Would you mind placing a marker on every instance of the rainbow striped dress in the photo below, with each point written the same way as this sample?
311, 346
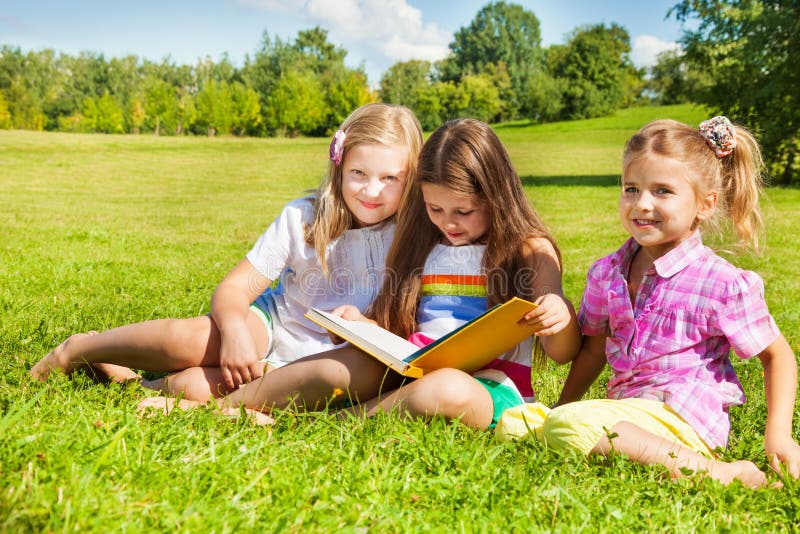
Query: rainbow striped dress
454, 292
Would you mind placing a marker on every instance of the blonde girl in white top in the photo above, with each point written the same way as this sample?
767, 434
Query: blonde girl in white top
325, 250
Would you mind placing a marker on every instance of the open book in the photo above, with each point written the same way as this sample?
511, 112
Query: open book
469, 347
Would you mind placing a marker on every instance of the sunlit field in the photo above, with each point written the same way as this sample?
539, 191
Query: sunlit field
99, 231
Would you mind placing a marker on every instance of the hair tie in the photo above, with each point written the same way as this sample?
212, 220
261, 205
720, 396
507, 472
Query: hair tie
337, 147
719, 134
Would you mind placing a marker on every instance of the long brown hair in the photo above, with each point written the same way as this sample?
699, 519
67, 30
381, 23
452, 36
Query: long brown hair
735, 177
466, 156
376, 124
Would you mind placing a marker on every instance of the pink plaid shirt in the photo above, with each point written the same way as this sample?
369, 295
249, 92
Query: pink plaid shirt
673, 345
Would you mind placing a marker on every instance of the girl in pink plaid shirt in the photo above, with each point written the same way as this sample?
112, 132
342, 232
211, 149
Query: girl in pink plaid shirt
664, 311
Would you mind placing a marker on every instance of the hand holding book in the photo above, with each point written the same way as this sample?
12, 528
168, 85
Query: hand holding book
469, 348
348, 312
550, 316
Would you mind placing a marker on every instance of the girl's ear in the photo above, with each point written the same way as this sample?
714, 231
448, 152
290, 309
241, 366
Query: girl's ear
706, 206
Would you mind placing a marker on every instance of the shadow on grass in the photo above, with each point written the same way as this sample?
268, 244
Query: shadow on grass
609, 180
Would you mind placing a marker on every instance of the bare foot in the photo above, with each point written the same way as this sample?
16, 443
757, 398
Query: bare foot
60, 358
744, 471
109, 372
165, 405
259, 418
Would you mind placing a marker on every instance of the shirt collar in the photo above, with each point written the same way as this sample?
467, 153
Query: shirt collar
680, 257
671, 263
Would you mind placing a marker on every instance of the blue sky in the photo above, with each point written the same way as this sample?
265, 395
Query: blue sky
376, 33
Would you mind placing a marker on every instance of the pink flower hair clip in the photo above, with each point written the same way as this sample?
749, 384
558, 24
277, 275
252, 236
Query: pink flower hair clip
719, 134
337, 147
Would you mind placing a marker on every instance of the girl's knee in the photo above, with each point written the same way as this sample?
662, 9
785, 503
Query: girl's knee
331, 374
195, 383
454, 391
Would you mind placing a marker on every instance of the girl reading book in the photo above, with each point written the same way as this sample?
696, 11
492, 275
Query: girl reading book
466, 239
324, 250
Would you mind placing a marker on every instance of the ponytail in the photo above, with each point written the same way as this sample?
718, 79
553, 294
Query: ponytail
741, 188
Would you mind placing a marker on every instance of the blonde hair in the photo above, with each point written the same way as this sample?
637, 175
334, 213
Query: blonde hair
380, 124
467, 157
736, 178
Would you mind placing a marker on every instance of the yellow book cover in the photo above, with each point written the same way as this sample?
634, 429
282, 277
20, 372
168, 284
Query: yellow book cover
469, 347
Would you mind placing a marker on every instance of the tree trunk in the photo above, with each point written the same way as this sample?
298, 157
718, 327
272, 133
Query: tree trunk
786, 177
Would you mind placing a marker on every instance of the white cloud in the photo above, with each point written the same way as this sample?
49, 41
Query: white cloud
378, 32
647, 47
273, 6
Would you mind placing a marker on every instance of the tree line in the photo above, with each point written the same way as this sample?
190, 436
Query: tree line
736, 58
498, 70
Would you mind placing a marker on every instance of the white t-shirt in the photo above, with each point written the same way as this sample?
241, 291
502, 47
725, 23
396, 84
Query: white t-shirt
356, 264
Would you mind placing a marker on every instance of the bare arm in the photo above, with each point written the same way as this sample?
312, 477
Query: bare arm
555, 319
585, 369
780, 384
230, 305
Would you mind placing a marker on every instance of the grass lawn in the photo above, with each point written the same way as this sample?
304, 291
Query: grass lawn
99, 231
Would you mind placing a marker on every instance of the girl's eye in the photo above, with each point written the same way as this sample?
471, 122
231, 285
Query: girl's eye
434, 210
390, 178
357, 172
663, 191
630, 190
465, 212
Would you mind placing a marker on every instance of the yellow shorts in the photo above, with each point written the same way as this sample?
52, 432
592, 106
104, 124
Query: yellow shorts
580, 425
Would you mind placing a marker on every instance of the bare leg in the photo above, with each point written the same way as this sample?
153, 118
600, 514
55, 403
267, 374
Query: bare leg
195, 383
115, 373
160, 345
647, 448
309, 383
313, 382
108, 372
447, 392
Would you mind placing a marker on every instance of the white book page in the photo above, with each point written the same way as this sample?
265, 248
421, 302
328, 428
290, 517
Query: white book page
374, 334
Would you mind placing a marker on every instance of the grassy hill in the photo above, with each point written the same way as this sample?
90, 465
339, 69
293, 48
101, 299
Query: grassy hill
100, 231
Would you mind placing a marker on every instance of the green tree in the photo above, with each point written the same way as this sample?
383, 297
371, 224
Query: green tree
103, 114
24, 80
296, 105
544, 97
402, 81
318, 55
595, 69
500, 32
159, 103
674, 80
344, 90
477, 98
135, 116
25, 106
185, 112
750, 48
429, 107
245, 108
276, 66
215, 108
5, 115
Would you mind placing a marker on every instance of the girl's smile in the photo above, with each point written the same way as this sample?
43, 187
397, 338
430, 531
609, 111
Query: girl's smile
658, 205
373, 179
463, 220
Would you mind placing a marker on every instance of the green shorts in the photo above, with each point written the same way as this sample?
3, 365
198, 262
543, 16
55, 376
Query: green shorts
263, 314
503, 397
